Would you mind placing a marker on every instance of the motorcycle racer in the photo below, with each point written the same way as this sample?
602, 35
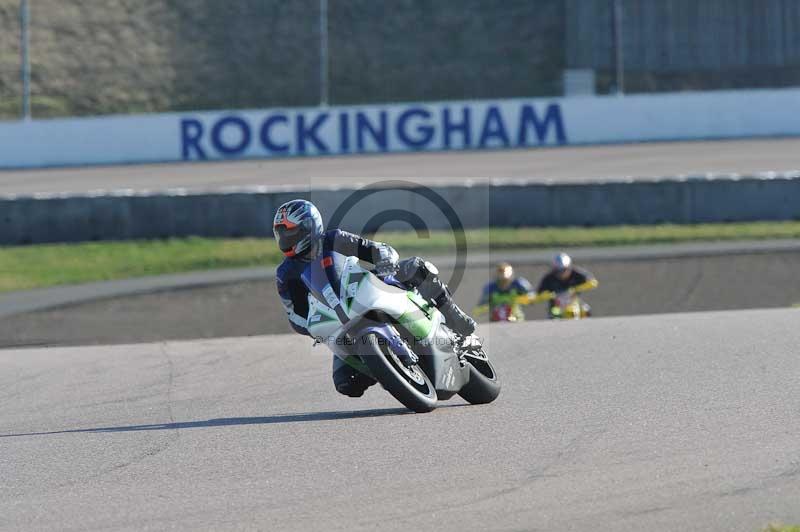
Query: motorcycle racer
502, 289
301, 237
564, 276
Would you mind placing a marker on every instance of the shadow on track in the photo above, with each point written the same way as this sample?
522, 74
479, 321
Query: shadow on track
232, 421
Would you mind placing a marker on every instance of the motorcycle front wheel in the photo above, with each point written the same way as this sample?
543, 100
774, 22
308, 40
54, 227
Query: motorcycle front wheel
409, 385
483, 386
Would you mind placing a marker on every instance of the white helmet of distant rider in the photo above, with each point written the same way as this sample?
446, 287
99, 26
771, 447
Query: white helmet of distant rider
562, 265
504, 275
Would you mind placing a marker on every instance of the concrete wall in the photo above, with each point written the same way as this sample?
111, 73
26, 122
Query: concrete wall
426, 126
249, 213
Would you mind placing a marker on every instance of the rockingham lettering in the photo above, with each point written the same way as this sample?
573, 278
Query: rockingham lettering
372, 129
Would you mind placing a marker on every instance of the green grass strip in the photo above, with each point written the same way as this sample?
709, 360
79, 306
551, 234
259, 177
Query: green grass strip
36, 266
782, 528
625, 235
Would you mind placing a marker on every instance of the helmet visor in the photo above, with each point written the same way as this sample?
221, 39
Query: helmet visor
288, 238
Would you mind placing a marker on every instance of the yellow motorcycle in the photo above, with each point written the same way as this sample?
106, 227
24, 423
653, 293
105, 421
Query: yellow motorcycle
566, 305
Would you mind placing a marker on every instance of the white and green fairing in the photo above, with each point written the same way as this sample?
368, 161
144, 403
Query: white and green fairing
361, 292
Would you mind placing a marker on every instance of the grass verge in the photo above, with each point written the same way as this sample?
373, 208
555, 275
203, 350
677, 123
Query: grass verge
36, 266
774, 527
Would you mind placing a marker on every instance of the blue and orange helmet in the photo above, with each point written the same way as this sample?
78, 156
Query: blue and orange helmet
298, 229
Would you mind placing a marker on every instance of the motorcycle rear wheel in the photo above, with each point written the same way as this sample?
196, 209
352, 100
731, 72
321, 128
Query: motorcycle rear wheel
409, 385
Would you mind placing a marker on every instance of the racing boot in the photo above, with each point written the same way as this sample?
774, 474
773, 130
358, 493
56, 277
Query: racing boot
456, 318
349, 381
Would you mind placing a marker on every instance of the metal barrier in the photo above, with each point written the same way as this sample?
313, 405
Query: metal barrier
249, 213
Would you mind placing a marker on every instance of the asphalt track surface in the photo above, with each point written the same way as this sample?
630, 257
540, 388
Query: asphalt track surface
630, 287
658, 423
665, 422
564, 164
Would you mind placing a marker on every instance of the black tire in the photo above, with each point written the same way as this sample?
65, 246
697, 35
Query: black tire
411, 386
483, 386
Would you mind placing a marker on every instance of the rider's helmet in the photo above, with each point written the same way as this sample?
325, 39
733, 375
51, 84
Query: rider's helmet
562, 263
298, 229
504, 275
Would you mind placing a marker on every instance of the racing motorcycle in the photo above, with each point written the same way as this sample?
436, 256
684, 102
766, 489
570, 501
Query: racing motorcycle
393, 335
505, 307
566, 305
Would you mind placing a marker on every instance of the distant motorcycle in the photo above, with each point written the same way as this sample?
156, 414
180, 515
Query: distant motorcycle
504, 307
566, 305
392, 334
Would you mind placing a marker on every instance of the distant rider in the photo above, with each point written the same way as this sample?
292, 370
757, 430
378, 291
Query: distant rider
564, 276
301, 237
502, 290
